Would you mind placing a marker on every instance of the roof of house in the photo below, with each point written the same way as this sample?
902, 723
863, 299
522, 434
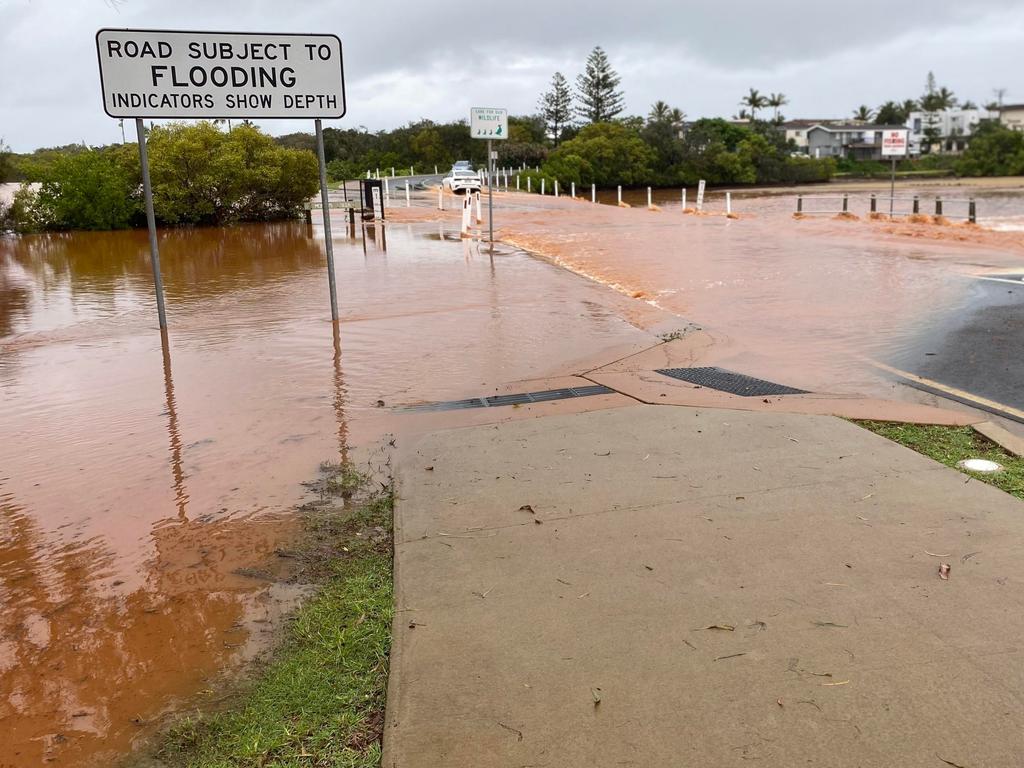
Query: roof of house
1010, 106
802, 123
852, 126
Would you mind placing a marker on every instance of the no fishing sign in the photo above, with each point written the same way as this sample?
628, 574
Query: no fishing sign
172, 74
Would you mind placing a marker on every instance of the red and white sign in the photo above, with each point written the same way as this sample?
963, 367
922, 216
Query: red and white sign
894, 143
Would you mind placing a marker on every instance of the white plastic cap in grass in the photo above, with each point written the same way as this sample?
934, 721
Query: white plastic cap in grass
980, 465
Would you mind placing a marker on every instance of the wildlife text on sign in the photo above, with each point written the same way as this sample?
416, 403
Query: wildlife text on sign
154, 73
488, 123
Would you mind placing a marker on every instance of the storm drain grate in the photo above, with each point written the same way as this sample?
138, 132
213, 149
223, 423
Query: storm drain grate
518, 399
728, 381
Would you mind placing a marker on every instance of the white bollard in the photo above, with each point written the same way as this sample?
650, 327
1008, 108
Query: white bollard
684, 198
572, 190
542, 185
440, 198
620, 195
556, 187
367, 173
517, 182
378, 173
728, 203
392, 171
467, 212
408, 203
435, 170
649, 205
387, 189
479, 218
593, 193
529, 184
411, 167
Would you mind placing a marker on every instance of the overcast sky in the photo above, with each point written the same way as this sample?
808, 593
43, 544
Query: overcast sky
407, 60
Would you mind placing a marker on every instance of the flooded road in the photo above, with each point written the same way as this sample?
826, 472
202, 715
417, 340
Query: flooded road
809, 303
142, 485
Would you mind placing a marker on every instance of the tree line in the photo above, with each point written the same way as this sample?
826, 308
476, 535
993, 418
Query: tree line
200, 175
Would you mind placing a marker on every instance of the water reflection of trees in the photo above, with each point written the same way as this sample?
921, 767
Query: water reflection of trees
14, 299
84, 660
196, 262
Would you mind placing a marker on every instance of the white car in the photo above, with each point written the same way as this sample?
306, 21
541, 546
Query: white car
460, 181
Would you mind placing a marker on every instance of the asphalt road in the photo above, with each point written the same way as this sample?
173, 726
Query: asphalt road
978, 350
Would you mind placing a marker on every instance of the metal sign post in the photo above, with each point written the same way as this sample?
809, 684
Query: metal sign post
894, 145
328, 242
234, 75
491, 124
154, 248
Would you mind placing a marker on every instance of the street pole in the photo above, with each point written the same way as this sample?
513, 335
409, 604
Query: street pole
490, 192
154, 249
892, 186
327, 219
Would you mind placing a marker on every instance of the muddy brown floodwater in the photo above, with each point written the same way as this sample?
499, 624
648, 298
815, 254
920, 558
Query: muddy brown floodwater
139, 487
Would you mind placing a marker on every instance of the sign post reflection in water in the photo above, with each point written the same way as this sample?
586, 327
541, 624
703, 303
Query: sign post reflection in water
235, 75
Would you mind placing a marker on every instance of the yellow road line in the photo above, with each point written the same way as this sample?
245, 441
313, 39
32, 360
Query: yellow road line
951, 390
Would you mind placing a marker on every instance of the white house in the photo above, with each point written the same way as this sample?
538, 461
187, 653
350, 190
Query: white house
952, 126
1012, 116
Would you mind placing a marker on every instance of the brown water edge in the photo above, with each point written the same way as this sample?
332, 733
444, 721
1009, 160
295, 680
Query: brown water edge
140, 481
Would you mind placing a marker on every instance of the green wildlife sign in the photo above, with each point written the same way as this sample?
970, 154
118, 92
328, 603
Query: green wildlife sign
488, 123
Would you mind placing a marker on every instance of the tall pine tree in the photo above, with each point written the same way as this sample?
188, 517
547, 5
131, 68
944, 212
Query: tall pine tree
556, 107
596, 89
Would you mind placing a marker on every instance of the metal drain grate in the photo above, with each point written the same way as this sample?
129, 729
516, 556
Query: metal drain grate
728, 381
518, 399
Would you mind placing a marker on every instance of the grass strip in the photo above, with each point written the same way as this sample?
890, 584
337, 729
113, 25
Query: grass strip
319, 700
948, 445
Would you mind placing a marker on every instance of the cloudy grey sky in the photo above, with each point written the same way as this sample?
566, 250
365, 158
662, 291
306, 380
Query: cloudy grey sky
410, 59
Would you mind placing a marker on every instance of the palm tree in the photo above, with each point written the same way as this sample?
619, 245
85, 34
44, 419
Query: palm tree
755, 101
676, 117
944, 98
776, 101
741, 115
863, 112
659, 112
908, 106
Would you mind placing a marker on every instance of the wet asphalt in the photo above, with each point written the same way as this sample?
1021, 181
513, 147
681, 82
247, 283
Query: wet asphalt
978, 349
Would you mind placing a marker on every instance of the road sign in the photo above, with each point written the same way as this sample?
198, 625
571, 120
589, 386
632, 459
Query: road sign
172, 74
894, 143
488, 123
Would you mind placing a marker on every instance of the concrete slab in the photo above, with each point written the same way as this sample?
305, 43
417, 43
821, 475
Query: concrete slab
1010, 442
583, 640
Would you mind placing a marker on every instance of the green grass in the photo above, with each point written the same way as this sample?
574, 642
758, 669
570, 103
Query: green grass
949, 445
319, 701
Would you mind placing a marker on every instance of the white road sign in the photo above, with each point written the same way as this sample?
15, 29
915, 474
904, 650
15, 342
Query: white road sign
488, 123
155, 73
894, 143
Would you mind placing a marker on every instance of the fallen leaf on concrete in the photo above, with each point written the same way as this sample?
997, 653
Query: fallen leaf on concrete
809, 701
741, 498
968, 556
944, 571
649, 568
578, 597
596, 694
863, 498
429, 469
694, 647
538, 521
606, 453
758, 626
527, 508
835, 584
829, 624
792, 438
731, 656
723, 627
934, 554
562, 581
779, 701
950, 762
380, 403
838, 682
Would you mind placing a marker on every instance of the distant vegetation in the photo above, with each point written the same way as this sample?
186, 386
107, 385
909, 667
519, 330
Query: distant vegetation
204, 175
200, 175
